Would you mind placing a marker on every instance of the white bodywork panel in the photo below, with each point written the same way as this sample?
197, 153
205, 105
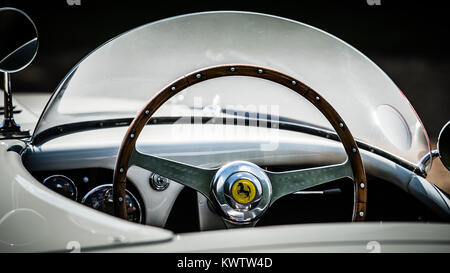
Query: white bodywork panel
353, 237
36, 219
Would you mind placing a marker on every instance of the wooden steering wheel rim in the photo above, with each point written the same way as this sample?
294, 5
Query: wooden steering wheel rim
129, 141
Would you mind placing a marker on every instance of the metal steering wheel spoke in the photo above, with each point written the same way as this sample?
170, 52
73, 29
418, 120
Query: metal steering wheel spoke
284, 183
193, 177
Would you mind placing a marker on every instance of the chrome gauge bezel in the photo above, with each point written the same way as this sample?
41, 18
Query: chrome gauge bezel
70, 181
110, 188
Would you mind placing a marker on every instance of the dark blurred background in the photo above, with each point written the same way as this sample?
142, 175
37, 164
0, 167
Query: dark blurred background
407, 39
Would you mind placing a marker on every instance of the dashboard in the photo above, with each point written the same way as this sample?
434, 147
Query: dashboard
83, 163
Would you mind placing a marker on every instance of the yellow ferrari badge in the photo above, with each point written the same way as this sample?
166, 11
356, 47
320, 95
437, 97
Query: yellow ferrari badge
243, 191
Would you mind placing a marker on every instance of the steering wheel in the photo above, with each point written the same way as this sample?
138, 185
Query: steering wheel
241, 191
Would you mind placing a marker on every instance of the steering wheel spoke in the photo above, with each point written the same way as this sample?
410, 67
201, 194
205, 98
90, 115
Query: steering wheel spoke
284, 183
193, 177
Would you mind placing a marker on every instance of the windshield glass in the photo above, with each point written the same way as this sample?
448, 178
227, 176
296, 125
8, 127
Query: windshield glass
118, 78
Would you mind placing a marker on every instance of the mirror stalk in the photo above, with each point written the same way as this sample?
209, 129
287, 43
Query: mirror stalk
9, 128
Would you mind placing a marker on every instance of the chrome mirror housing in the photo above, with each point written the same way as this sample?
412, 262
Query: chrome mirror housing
443, 145
18, 47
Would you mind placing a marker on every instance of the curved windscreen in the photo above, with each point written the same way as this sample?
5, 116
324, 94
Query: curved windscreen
118, 78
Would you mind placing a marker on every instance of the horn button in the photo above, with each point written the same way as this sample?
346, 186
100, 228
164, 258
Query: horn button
242, 191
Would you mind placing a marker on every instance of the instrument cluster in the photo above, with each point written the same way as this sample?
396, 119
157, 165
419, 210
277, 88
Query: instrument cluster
93, 188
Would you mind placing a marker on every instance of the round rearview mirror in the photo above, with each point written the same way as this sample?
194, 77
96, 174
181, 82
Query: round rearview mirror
18, 40
443, 145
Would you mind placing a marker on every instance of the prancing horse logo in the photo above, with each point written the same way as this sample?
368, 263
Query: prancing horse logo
243, 191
